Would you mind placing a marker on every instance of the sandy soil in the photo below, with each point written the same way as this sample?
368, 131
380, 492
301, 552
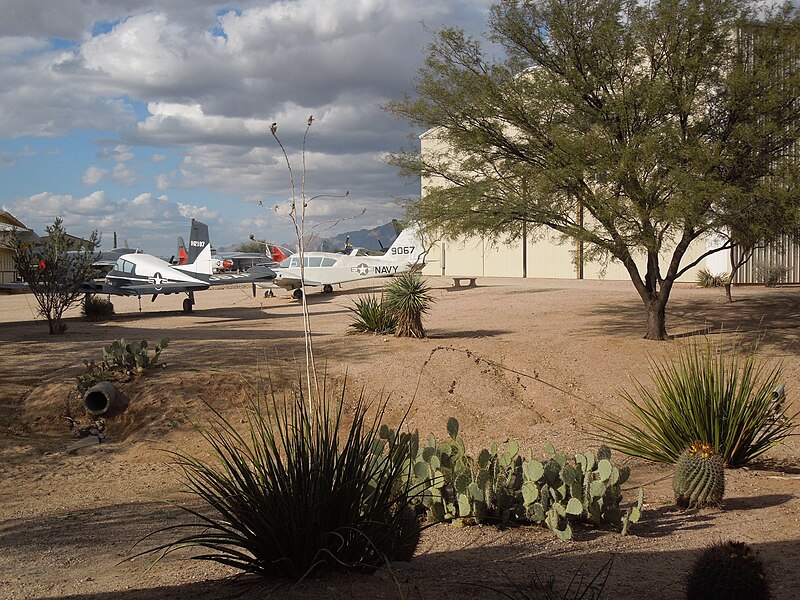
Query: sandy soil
531, 361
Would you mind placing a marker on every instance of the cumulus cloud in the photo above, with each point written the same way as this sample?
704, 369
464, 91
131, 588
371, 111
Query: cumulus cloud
205, 79
162, 182
147, 220
123, 174
93, 175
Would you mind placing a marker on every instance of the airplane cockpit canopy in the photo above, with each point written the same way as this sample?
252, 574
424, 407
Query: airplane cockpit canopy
125, 266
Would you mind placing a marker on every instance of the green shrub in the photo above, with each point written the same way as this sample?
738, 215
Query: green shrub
705, 395
302, 489
706, 278
770, 275
371, 315
97, 308
408, 298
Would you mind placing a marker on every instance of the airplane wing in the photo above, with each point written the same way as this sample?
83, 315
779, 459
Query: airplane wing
99, 286
257, 274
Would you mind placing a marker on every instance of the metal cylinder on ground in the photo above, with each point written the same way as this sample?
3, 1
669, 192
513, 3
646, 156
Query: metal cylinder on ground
99, 398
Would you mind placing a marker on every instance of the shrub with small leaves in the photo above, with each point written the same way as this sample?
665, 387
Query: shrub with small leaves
97, 308
728, 571
770, 275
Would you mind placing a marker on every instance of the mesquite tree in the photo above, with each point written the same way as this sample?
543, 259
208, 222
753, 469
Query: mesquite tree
53, 273
635, 128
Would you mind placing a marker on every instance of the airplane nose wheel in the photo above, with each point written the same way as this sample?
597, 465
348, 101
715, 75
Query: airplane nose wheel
327, 288
297, 294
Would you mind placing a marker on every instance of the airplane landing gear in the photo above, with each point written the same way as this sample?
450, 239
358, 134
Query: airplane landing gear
269, 294
297, 294
188, 303
327, 288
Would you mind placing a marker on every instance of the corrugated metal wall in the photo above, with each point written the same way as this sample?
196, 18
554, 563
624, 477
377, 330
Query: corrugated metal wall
781, 257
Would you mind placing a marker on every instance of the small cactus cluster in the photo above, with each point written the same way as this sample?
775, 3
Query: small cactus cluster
727, 571
699, 477
120, 357
500, 485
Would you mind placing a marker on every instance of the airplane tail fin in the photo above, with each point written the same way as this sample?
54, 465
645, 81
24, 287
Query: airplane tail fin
199, 252
278, 254
408, 247
183, 254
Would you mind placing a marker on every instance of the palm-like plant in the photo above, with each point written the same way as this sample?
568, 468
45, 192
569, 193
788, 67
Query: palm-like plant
408, 298
299, 490
706, 395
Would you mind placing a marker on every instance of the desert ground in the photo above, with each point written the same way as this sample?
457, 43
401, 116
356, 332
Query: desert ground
526, 360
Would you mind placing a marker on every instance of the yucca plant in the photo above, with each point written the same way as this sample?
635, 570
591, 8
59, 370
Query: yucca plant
736, 405
299, 490
706, 278
408, 298
371, 314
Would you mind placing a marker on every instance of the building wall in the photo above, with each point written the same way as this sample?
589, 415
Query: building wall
8, 273
547, 257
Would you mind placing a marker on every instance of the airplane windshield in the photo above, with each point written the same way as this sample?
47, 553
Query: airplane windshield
124, 266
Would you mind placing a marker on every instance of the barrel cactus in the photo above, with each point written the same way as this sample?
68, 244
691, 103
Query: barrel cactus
699, 477
727, 571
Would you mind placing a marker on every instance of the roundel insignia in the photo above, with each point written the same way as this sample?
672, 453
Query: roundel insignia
156, 280
362, 269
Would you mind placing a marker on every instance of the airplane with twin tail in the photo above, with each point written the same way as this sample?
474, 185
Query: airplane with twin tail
139, 274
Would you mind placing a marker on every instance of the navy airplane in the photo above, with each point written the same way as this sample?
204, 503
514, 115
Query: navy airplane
140, 274
326, 269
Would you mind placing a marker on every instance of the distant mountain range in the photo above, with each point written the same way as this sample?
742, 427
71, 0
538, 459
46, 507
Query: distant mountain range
370, 239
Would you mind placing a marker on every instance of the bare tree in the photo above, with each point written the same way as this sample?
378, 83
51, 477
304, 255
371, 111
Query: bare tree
54, 274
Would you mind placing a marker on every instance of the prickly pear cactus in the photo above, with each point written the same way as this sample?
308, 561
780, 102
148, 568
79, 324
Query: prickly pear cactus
729, 570
699, 477
502, 486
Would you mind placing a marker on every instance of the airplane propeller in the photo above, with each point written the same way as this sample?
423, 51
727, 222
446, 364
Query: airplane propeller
254, 289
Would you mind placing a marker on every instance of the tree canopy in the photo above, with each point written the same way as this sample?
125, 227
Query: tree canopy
55, 274
633, 127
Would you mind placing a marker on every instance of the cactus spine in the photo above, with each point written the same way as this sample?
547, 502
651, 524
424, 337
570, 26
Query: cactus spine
699, 477
729, 571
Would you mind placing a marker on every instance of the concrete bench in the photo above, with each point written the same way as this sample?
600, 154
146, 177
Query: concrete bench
459, 282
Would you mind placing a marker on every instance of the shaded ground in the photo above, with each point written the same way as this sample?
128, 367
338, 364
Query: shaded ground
531, 361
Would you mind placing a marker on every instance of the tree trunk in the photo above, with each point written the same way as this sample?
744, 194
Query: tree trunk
656, 319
